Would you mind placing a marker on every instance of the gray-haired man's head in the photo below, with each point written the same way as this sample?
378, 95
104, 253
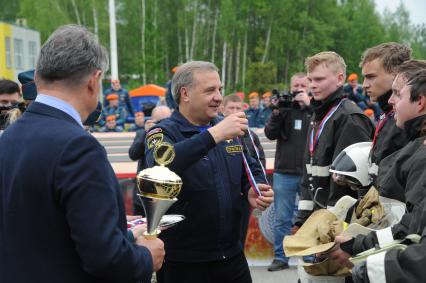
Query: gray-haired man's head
70, 55
184, 76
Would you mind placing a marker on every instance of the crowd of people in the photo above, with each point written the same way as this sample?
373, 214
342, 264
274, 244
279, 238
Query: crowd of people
335, 120
57, 183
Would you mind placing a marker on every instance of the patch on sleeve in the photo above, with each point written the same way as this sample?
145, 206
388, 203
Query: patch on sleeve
234, 148
154, 139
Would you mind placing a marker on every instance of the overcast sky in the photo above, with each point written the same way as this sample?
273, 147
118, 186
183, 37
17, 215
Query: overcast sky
417, 8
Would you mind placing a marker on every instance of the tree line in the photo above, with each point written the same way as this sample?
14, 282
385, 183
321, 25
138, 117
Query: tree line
256, 44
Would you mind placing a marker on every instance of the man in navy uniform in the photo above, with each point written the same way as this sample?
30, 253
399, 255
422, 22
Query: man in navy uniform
254, 113
123, 96
111, 125
61, 209
209, 159
115, 109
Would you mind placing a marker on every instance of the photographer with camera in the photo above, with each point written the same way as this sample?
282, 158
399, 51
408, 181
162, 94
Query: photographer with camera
9, 100
288, 125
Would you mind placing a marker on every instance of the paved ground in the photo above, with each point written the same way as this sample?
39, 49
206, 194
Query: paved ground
260, 274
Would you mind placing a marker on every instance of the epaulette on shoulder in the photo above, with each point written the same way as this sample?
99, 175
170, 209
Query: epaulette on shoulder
154, 131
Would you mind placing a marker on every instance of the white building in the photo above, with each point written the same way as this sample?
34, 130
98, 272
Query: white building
19, 47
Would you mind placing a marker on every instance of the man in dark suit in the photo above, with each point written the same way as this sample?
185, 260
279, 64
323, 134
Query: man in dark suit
62, 214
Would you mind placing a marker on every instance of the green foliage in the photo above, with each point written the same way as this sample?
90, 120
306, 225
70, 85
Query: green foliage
360, 29
9, 10
261, 76
419, 42
176, 31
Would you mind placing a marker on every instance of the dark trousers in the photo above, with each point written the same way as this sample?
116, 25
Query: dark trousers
232, 270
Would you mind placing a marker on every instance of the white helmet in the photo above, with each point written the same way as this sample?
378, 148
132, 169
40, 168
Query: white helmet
352, 164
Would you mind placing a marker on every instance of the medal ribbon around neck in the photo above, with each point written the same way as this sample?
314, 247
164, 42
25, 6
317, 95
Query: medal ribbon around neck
249, 174
313, 141
380, 126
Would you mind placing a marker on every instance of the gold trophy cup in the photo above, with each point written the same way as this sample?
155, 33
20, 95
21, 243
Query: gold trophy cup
158, 187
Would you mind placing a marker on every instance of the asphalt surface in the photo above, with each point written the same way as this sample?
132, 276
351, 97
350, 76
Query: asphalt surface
260, 274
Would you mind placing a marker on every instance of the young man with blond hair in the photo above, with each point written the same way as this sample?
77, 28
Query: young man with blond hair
379, 66
336, 123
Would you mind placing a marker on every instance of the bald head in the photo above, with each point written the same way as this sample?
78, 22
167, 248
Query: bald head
160, 113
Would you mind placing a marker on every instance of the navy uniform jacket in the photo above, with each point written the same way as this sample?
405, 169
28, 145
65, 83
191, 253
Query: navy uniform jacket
123, 96
119, 112
62, 214
213, 179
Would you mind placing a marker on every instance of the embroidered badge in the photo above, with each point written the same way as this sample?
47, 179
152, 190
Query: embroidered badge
154, 139
234, 148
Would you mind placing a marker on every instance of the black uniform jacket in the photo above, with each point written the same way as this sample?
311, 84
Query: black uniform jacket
290, 129
388, 139
408, 174
348, 125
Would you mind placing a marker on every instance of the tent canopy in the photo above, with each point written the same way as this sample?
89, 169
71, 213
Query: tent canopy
148, 90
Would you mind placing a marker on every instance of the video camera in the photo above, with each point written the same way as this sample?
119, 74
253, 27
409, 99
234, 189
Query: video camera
20, 105
284, 98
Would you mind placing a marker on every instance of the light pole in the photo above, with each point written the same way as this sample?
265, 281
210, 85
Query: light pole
113, 41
